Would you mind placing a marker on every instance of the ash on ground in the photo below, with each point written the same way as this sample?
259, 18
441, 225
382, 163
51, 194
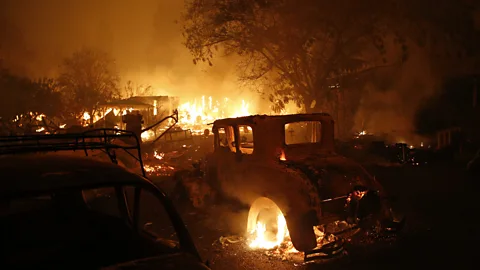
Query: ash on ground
285, 252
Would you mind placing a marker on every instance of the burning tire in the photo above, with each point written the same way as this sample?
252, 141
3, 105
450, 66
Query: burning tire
267, 227
266, 224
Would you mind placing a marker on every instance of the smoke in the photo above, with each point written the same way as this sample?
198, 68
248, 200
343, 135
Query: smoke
142, 36
392, 110
146, 42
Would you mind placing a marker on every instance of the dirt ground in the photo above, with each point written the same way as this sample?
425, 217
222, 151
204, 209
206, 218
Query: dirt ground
439, 203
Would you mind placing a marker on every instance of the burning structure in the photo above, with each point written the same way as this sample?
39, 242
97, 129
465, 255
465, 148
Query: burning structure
153, 108
196, 115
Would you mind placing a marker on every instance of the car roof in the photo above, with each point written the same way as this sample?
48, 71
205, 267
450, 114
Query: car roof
40, 173
285, 117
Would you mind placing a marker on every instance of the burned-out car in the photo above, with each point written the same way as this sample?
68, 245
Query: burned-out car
289, 162
64, 211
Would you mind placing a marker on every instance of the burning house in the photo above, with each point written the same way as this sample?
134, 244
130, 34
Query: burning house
152, 108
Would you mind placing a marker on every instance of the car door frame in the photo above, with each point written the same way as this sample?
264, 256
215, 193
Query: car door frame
184, 238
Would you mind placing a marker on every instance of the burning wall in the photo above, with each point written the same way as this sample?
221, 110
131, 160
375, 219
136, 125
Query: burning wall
197, 115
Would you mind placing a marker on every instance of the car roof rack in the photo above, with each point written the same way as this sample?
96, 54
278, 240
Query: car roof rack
104, 139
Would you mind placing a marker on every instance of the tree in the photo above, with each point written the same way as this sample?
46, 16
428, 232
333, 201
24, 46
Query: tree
31, 98
131, 89
304, 47
47, 99
88, 78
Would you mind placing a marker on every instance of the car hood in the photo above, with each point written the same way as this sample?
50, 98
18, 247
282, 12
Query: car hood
166, 262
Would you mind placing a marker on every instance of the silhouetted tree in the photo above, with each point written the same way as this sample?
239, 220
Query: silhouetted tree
131, 89
304, 47
88, 78
47, 99
23, 96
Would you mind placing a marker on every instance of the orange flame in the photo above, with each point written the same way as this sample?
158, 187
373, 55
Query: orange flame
198, 114
282, 156
261, 241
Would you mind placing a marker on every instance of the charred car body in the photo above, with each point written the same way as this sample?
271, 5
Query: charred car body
62, 211
291, 160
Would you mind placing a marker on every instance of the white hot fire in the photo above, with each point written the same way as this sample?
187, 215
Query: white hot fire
262, 241
267, 226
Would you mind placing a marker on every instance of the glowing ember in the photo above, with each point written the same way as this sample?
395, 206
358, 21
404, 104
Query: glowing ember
159, 170
39, 117
158, 156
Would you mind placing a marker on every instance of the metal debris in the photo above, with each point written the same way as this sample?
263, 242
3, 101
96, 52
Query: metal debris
232, 239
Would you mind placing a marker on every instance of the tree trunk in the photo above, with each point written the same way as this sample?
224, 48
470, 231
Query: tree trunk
92, 115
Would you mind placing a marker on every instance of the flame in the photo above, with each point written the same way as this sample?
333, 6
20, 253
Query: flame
271, 235
86, 116
197, 114
155, 111
158, 156
125, 111
267, 229
147, 135
40, 117
282, 156
261, 240
96, 117
361, 133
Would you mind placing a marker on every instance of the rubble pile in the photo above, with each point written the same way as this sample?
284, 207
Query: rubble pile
161, 164
166, 163
287, 252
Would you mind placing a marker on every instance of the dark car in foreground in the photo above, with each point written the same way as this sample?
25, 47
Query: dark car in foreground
70, 212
